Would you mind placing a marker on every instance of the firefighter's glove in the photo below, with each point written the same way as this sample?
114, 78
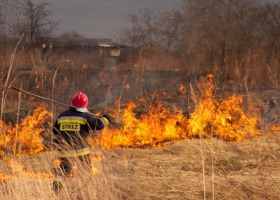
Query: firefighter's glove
107, 118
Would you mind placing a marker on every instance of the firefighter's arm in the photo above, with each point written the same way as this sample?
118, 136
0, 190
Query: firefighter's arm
55, 135
100, 122
107, 119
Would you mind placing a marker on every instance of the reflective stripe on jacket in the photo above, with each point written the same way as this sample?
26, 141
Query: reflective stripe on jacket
72, 127
73, 153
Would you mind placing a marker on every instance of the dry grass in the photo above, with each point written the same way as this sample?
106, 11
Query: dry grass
32, 179
188, 169
243, 170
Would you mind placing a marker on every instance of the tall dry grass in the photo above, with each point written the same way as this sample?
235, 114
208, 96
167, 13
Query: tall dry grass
244, 170
30, 177
189, 169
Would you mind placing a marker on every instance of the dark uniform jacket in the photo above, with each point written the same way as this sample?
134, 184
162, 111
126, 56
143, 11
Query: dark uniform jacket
72, 127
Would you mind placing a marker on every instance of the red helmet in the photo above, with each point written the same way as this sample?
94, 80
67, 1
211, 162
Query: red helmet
80, 100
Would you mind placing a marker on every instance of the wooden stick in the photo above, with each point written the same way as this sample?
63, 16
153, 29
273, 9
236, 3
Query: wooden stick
38, 96
53, 101
59, 103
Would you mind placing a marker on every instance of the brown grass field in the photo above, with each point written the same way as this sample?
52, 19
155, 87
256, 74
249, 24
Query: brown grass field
193, 95
187, 169
197, 168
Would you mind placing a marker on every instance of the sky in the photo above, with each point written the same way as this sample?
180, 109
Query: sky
101, 18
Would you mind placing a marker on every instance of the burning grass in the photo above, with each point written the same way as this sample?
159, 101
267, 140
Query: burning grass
187, 169
224, 119
275, 127
30, 177
248, 169
151, 129
25, 138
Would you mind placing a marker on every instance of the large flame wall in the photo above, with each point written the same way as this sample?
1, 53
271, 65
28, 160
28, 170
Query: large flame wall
224, 119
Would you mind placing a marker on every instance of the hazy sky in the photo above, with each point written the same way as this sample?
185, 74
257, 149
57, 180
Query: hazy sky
101, 18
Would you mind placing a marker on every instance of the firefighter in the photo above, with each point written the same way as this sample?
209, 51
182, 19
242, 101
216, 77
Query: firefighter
70, 131
46, 49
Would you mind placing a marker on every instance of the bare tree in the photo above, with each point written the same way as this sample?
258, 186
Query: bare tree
215, 35
33, 20
144, 29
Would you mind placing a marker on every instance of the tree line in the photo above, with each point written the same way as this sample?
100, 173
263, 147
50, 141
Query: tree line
230, 37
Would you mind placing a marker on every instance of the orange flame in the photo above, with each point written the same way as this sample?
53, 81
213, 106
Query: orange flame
15, 165
222, 119
210, 76
29, 174
25, 137
18, 170
127, 86
275, 127
151, 129
183, 90
225, 119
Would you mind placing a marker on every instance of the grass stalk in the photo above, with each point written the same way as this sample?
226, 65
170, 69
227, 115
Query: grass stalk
52, 98
120, 97
13, 55
203, 166
213, 168
17, 121
3, 97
